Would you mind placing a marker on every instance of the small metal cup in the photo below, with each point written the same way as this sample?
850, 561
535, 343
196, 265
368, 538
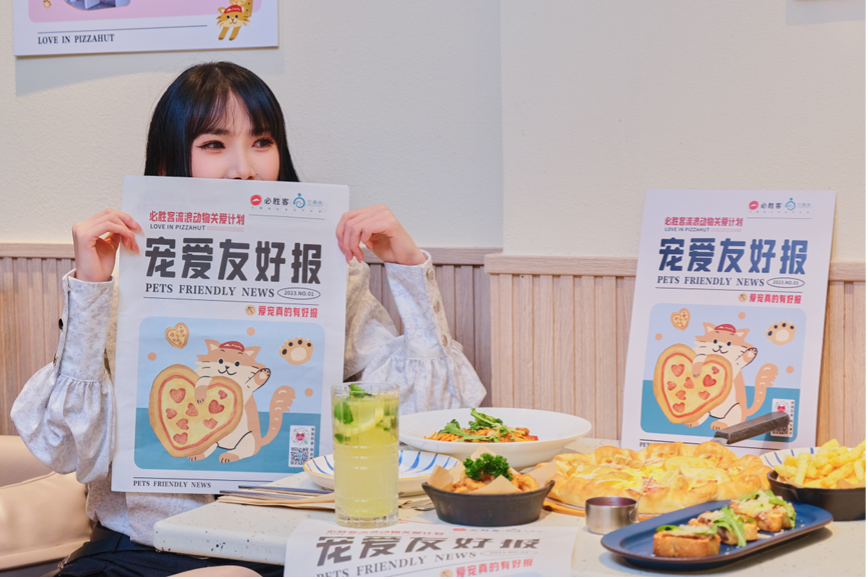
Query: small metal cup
606, 514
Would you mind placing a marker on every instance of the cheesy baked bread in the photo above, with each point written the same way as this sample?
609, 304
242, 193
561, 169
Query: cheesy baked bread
680, 475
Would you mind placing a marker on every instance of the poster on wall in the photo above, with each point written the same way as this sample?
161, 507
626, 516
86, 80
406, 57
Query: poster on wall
728, 315
52, 27
230, 331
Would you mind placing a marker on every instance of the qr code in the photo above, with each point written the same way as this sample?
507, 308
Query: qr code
302, 441
299, 456
788, 406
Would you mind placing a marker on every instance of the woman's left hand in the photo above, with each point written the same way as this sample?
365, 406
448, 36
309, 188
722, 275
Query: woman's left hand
378, 229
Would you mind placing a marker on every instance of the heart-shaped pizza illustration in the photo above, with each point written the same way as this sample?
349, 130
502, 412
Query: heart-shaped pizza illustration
184, 427
683, 397
178, 335
680, 319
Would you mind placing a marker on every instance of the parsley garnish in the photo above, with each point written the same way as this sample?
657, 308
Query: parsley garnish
485, 465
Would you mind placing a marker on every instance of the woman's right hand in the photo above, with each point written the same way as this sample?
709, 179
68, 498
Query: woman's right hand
96, 242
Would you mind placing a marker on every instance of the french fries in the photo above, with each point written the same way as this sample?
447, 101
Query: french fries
832, 466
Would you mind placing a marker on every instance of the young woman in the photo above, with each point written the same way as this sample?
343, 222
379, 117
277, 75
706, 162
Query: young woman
219, 121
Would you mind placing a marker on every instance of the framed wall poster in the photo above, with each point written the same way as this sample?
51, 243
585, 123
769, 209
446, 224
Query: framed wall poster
50, 27
728, 315
230, 331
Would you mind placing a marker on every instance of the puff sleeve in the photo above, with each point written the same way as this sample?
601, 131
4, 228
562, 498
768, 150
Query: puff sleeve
65, 413
426, 362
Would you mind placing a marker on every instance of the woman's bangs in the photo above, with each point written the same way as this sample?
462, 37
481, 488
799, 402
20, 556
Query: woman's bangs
209, 115
214, 116
260, 111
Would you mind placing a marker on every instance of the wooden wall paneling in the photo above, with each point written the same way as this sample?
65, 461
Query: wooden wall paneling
543, 335
482, 328
854, 363
502, 393
563, 348
465, 331
522, 341
24, 329
39, 327
534, 336
52, 307
446, 282
606, 359
584, 316
497, 346
835, 338
8, 339
824, 411
623, 316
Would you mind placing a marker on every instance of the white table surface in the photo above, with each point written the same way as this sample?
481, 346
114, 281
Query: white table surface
253, 533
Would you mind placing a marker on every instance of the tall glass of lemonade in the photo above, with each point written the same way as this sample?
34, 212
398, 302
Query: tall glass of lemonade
365, 421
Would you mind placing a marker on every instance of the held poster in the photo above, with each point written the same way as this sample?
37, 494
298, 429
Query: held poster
230, 332
728, 315
49, 27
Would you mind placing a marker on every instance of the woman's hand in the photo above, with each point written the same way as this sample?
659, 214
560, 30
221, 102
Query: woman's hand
96, 242
378, 229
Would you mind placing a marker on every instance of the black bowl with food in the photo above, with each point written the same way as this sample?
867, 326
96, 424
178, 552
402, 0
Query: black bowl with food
478, 510
844, 504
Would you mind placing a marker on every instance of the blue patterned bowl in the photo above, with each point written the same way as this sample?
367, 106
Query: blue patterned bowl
414, 468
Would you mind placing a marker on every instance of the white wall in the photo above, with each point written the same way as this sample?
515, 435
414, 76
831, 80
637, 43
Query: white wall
603, 100
399, 100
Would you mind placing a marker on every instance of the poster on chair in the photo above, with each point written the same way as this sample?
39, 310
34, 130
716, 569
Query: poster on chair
51, 27
728, 316
230, 330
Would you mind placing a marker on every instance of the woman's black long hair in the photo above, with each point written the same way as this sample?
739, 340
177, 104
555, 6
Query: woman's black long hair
195, 103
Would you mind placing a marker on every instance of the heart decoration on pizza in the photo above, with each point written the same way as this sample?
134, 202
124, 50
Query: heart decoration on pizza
183, 427
680, 319
178, 335
684, 397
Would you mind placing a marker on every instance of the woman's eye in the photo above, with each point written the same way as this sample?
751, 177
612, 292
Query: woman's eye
264, 142
212, 145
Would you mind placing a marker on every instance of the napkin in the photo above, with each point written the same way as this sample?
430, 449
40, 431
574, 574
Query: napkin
266, 499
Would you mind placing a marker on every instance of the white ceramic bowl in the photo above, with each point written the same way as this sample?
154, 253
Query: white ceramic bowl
554, 429
414, 468
777, 457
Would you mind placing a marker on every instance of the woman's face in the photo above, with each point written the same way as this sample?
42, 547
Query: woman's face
232, 151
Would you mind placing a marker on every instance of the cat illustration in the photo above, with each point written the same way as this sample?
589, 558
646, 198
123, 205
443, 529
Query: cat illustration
724, 340
234, 17
232, 360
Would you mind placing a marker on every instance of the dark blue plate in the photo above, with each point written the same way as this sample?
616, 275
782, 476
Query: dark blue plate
636, 542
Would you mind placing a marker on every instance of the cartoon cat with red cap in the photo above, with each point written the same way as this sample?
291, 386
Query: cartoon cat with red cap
234, 17
724, 340
235, 361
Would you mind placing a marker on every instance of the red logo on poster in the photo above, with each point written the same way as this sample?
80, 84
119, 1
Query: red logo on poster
255, 200
753, 205
299, 436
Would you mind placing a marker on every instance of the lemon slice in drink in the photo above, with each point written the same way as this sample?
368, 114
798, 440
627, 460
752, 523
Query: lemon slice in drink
356, 429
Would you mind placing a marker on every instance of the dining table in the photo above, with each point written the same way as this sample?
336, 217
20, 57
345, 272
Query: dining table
260, 533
